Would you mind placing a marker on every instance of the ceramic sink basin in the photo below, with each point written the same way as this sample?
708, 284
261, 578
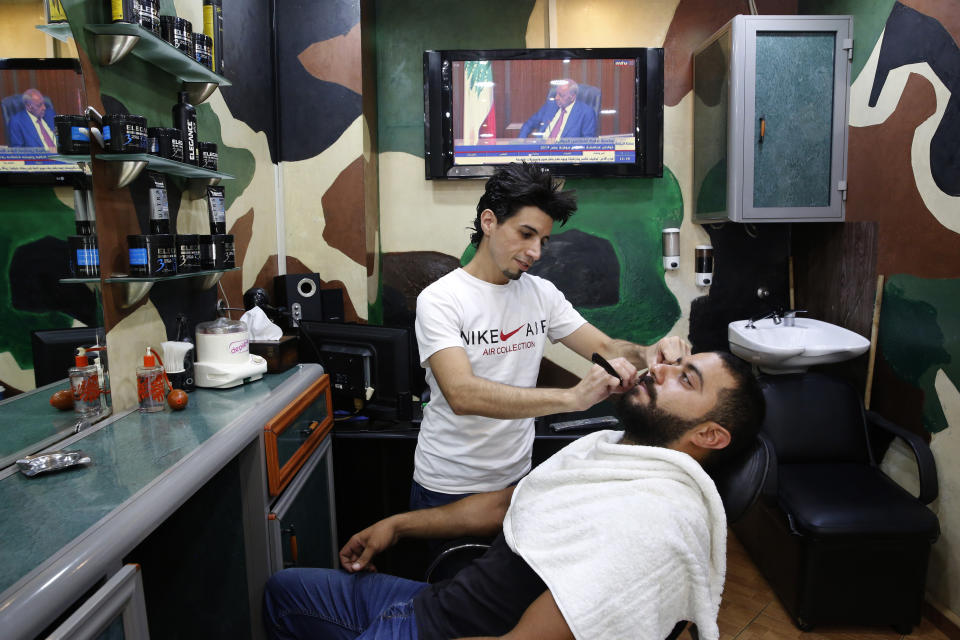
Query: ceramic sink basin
777, 348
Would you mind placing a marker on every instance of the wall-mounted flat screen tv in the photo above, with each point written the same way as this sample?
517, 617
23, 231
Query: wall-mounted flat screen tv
582, 112
32, 92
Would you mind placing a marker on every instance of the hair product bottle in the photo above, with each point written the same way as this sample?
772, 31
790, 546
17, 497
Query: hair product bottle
213, 27
82, 220
55, 12
159, 206
124, 11
217, 211
150, 390
185, 119
85, 385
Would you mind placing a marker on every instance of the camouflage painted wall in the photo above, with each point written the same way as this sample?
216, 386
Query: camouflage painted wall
33, 257
627, 214
327, 167
905, 136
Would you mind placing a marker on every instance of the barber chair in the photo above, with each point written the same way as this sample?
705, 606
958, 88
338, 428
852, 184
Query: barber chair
840, 543
740, 482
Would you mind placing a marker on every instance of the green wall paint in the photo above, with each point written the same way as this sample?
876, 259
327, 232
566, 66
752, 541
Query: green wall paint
869, 19
406, 29
630, 214
713, 192
920, 334
21, 208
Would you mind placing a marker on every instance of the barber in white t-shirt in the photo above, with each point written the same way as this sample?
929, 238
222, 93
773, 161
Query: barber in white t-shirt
481, 331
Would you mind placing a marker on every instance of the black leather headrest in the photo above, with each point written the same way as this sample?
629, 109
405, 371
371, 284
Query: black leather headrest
741, 480
813, 417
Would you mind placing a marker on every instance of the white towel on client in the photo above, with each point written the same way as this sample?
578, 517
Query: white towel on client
629, 539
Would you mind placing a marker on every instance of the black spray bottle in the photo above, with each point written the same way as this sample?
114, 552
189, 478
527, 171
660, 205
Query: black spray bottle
185, 120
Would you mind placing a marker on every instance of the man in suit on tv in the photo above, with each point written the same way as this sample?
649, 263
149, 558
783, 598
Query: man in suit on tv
32, 127
562, 117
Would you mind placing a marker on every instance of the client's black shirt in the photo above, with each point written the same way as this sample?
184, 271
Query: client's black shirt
486, 598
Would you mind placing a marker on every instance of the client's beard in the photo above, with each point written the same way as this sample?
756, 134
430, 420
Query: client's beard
649, 424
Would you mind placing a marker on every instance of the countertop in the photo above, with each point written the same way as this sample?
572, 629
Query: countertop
51, 525
30, 423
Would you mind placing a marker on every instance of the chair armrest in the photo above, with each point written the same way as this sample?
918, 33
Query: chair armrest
455, 555
926, 465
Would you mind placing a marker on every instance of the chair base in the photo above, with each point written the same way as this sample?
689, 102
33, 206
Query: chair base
842, 580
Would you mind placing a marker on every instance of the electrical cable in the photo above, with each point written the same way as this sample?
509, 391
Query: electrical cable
306, 335
225, 299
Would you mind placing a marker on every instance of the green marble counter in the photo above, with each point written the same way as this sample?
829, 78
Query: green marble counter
28, 423
41, 517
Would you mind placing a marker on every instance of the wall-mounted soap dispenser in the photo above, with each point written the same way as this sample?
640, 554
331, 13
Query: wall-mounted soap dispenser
703, 258
671, 249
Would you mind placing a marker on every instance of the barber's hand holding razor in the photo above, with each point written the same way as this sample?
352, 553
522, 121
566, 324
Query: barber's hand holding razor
600, 382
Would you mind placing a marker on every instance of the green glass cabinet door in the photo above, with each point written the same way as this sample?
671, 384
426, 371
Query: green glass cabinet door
795, 118
793, 130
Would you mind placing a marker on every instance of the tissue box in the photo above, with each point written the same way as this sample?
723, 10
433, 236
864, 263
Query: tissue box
280, 354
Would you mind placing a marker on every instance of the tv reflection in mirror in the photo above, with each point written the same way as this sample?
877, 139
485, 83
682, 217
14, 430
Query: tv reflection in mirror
32, 92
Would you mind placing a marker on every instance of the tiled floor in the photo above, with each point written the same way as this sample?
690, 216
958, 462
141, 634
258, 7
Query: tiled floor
750, 611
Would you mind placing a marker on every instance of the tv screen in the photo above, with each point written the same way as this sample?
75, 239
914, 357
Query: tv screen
583, 112
32, 92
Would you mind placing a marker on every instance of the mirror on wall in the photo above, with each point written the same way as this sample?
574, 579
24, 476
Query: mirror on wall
49, 305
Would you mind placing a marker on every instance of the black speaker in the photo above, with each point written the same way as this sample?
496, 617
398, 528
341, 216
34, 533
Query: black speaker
302, 288
332, 305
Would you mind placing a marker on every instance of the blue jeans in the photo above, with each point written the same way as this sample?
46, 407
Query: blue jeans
423, 498
334, 604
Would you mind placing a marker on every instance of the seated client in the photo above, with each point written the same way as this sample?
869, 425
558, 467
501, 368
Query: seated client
621, 534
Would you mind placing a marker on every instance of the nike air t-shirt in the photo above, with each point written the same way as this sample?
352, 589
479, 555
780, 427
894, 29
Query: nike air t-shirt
503, 328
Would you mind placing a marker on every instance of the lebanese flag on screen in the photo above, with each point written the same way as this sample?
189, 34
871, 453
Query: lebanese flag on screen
479, 112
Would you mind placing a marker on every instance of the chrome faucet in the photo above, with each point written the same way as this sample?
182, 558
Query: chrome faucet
790, 317
776, 314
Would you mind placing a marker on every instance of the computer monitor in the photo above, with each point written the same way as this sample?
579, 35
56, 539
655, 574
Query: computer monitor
54, 349
358, 356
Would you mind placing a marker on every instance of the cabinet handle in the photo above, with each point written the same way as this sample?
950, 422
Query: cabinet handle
763, 129
294, 551
308, 430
